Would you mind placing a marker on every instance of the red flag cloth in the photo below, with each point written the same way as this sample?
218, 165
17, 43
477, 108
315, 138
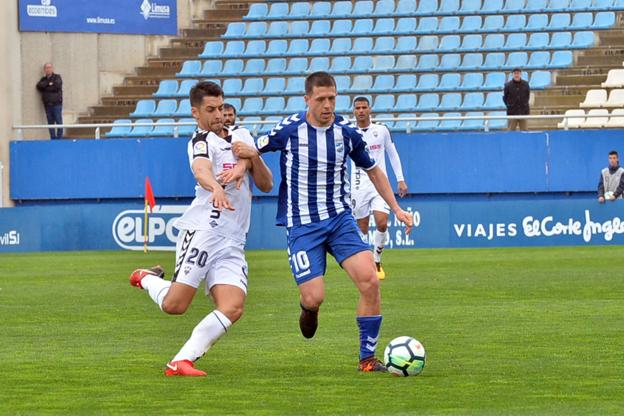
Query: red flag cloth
149, 194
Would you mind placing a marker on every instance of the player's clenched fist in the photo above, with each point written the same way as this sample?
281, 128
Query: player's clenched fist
243, 150
405, 218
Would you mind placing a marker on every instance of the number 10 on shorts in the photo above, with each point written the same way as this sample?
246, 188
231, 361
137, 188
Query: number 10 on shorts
300, 264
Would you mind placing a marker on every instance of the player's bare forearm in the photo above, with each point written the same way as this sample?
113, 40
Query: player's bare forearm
202, 170
382, 185
261, 174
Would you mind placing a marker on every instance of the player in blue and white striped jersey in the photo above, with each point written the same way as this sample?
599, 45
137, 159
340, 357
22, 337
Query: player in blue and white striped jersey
314, 206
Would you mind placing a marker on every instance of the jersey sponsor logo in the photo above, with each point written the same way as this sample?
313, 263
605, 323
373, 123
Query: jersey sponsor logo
128, 226
200, 148
228, 166
374, 147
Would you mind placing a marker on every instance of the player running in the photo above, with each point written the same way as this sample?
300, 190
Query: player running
314, 207
213, 230
364, 197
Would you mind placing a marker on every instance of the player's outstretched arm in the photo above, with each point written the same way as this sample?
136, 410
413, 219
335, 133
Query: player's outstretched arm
261, 174
202, 170
382, 185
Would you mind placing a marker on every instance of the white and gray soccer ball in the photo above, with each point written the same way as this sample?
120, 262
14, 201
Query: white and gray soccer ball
405, 356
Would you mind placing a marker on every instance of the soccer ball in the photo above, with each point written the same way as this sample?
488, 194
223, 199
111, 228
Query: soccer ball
405, 356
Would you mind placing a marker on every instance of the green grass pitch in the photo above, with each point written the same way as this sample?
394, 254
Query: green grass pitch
507, 331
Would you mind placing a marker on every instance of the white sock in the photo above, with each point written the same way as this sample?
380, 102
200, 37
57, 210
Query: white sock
206, 333
156, 287
379, 240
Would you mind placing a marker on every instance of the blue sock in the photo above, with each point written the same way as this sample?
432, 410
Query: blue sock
369, 334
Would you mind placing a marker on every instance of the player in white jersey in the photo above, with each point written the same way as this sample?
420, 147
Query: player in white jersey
364, 197
213, 231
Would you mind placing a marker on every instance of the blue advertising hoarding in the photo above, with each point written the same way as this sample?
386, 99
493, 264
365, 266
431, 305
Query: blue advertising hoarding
141, 17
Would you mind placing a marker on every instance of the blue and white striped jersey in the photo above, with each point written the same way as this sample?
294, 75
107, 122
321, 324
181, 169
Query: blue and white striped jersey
314, 179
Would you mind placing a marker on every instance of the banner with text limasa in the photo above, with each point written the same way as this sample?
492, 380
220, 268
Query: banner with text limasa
141, 17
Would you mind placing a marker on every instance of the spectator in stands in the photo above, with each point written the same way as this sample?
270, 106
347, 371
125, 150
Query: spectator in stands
516, 97
611, 183
51, 89
229, 115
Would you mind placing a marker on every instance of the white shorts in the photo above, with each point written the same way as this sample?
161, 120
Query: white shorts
365, 201
204, 255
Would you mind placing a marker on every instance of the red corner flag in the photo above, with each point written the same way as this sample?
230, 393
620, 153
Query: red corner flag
151, 202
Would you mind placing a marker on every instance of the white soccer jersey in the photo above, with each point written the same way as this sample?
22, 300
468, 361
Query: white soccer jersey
378, 141
201, 214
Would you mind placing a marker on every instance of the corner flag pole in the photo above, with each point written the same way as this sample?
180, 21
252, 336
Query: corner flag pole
145, 228
151, 202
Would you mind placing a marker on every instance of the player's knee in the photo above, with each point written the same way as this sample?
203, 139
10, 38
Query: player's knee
369, 285
312, 301
233, 312
173, 307
382, 226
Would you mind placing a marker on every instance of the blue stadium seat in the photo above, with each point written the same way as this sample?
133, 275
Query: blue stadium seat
234, 102
561, 59
300, 28
579, 5
427, 44
256, 29
384, 26
449, 125
450, 7
187, 130
514, 6
536, 6
404, 82
427, 8
450, 101
539, 60
234, 30
363, 44
166, 108
363, 8
449, 82
343, 104
472, 124
471, 24
540, 80
118, 130
257, 11
405, 63
603, 4
493, 23
401, 125
472, 81
340, 65
470, 6
494, 42
276, 66
427, 25
233, 48
492, 6
364, 63
320, 63
406, 7
449, 24
427, 82
515, 23
142, 128
405, 44
383, 83
449, 43
472, 61
473, 101
253, 86
558, 5
604, 20
266, 128
427, 125
162, 131
450, 62
211, 68
252, 106
341, 46
516, 41
298, 47
320, 27
562, 40
494, 101
295, 85
274, 105
497, 124
495, 60
212, 49
277, 47
297, 66
517, 59
494, 81
581, 40
144, 108
278, 11
190, 69
362, 27
254, 66
538, 41
252, 123
383, 44
406, 26
363, 83
582, 21
341, 27
319, 47
342, 9
559, 21
185, 88
343, 83
255, 48
277, 30
428, 102
471, 43
384, 8
537, 22
427, 62
166, 88
381, 116
321, 9
383, 102
184, 109
299, 10
274, 86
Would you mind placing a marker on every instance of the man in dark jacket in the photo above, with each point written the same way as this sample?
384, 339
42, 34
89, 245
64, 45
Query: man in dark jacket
51, 89
611, 184
516, 98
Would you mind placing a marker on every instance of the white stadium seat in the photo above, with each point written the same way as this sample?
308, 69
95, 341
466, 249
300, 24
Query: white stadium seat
617, 119
594, 99
615, 79
616, 98
576, 119
596, 122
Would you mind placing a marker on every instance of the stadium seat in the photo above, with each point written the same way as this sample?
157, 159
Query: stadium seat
427, 25
615, 79
516, 41
538, 41
427, 125
363, 83
341, 9
278, 11
497, 123
561, 59
616, 99
582, 40
297, 66
363, 44
472, 81
578, 5
211, 68
493, 23
212, 49
406, 7
343, 83
319, 47
536, 6
450, 7
427, 82
600, 119
594, 99
426, 62
341, 46
255, 48
515, 23
383, 102
234, 30
617, 119
184, 131
472, 124
473, 101
405, 63
144, 108
470, 7
404, 125
494, 61
166, 88
276, 66
298, 47
340, 65
603, 4
165, 108
450, 101
362, 27
162, 131
537, 22
494, 101
559, 21
364, 63
252, 105
299, 10
277, 47
274, 105
381, 64
299, 28
363, 8
257, 11
449, 43
383, 26
471, 24
517, 60
492, 6
190, 69
320, 27
275, 86
582, 21
446, 124
142, 128
185, 88
256, 29
404, 82
406, 26
233, 48
405, 102
295, 85
558, 5
253, 86
276, 30
450, 62
472, 61
471, 43
321, 9
254, 67
539, 60
494, 42
320, 63
265, 128
540, 80
384, 8
383, 83
427, 44
405, 44
449, 24
428, 102
234, 102
514, 6
449, 82
343, 104
427, 8
494, 81
384, 44
341, 27
184, 109
119, 129
232, 86
377, 118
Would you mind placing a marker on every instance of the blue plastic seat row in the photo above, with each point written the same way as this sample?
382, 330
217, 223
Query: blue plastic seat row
144, 128
398, 45
345, 9
447, 123
377, 64
162, 108
421, 26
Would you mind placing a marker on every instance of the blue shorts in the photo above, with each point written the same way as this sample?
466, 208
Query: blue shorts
309, 244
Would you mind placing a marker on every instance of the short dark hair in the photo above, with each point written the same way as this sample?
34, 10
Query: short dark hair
318, 79
204, 89
361, 98
228, 106
614, 152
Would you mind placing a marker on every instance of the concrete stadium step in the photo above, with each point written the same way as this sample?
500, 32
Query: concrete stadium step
179, 52
111, 110
123, 91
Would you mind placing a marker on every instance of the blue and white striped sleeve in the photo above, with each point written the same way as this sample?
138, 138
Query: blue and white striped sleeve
277, 138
